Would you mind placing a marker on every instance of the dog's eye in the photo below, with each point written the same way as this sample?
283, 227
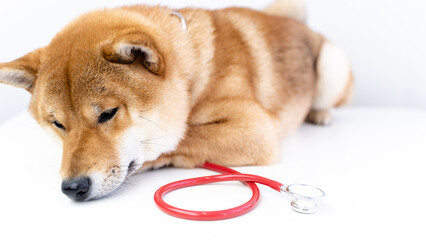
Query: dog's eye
58, 125
107, 115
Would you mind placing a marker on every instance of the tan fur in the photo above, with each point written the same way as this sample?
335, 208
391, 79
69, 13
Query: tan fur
227, 89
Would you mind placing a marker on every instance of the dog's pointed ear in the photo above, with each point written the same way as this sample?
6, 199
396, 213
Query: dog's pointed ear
135, 48
22, 72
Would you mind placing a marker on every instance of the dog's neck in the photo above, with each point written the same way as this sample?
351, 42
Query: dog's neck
182, 19
197, 48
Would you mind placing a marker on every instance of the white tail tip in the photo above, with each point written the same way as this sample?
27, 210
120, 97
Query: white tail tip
295, 9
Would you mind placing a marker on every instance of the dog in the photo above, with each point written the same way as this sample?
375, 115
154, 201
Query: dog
135, 88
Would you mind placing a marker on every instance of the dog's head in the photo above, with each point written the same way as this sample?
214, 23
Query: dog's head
113, 87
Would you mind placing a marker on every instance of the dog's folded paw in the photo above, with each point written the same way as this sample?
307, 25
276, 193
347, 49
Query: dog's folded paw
177, 160
184, 161
319, 117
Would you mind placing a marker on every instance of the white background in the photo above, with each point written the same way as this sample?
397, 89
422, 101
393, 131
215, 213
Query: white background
370, 161
386, 41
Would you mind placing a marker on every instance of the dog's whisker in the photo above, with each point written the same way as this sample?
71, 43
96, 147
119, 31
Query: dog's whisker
159, 144
149, 109
149, 120
129, 184
134, 168
157, 125
126, 166
147, 140
121, 182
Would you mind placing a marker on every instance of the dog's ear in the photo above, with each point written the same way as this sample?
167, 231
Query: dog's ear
135, 48
22, 72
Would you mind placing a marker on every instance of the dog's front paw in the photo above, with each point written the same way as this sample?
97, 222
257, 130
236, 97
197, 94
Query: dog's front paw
156, 164
177, 160
185, 161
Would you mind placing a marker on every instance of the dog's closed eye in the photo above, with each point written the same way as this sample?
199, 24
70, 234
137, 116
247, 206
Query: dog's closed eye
58, 125
107, 115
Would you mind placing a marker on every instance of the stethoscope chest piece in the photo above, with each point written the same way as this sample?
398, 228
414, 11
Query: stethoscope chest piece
304, 197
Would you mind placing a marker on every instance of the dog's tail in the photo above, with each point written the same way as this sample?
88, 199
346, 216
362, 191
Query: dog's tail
295, 9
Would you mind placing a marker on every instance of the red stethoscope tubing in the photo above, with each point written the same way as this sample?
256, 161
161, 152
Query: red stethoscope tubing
227, 175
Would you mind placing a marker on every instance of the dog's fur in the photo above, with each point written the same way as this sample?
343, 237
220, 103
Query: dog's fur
225, 90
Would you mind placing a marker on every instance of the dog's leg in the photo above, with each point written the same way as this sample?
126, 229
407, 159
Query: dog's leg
225, 132
334, 83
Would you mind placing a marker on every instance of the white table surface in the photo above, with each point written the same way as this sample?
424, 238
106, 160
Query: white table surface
371, 162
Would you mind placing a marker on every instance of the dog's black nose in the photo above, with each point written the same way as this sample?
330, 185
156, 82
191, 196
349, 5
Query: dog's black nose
77, 188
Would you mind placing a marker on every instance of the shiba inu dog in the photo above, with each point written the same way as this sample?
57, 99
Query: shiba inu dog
140, 87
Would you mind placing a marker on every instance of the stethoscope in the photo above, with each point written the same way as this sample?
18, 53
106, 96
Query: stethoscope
304, 197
